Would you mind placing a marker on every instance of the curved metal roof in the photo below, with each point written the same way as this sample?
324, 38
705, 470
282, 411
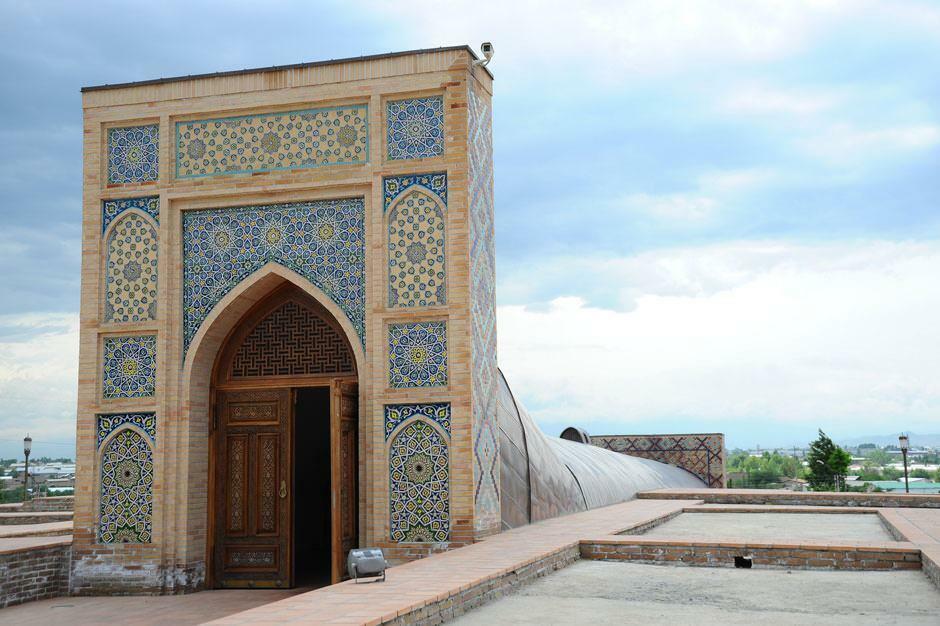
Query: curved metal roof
542, 477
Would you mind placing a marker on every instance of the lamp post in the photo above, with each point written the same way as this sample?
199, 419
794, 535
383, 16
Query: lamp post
27, 446
904, 443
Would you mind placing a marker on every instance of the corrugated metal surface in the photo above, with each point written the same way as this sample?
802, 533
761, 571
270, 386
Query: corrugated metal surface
543, 477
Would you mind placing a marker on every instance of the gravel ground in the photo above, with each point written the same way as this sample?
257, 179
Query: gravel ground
604, 592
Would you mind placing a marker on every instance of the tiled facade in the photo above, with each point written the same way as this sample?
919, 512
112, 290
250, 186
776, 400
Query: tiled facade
419, 485
322, 241
483, 312
415, 128
274, 141
397, 414
111, 209
700, 454
417, 225
131, 268
126, 496
417, 354
352, 180
133, 154
129, 367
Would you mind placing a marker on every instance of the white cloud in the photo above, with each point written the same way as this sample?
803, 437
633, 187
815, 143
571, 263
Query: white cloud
39, 380
611, 37
842, 333
843, 143
672, 207
774, 101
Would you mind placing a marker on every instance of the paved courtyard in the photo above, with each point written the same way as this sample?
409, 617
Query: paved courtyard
194, 608
771, 527
604, 592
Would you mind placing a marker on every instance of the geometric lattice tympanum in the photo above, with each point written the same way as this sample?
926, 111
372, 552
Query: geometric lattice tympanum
415, 128
292, 341
125, 509
417, 354
416, 250
130, 366
419, 485
131, 271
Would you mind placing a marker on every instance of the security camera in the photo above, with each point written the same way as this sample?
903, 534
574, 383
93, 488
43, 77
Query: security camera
487, 49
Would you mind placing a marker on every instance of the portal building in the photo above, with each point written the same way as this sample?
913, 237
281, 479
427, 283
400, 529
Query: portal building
288, 334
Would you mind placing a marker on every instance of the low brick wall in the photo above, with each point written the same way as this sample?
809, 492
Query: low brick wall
489, 590
722, 554
34, 518
50, 503
34, 572
930, 560
802, 498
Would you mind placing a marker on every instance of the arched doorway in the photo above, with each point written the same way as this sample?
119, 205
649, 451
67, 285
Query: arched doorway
283, 447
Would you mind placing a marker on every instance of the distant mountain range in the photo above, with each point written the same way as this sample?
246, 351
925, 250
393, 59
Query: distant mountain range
917, 439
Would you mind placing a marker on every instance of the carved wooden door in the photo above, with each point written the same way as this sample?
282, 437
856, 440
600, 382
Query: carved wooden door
253, 500
345, 419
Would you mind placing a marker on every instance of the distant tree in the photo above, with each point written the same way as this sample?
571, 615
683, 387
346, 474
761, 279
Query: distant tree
920, 473
828, 463
878, 457
867, 446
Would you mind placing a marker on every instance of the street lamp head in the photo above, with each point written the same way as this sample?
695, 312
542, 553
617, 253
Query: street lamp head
27, 444
903, 442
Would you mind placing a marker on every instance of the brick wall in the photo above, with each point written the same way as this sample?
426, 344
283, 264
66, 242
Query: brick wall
34, 573
799, 498
717, 554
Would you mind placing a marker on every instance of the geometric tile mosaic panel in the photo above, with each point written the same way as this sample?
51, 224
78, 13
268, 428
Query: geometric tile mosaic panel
130, 366
483, 314
396, 414
111, 209
417, 354
323, 241
131, 271
419, 485
394, 185
416, 267
125, 508
415, 128
273, 141
133, 154
702, 455
107, 424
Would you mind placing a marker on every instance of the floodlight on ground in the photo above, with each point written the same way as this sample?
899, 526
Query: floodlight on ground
366, 563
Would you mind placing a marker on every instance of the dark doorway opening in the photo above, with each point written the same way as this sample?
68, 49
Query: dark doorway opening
312, 526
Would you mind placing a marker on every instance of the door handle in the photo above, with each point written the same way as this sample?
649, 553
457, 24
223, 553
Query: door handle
283, 493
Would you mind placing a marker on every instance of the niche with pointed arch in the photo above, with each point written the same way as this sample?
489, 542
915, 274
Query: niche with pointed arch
125, 456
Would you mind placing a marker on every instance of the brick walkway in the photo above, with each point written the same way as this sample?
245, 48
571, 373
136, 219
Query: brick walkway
442, 576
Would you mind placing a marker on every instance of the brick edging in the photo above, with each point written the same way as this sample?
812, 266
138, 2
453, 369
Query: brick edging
488, 590
763, 555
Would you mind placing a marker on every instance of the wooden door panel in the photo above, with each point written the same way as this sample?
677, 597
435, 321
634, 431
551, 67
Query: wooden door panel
345, 474
252, 542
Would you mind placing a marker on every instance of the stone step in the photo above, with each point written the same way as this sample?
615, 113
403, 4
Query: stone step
34, 517
48, 529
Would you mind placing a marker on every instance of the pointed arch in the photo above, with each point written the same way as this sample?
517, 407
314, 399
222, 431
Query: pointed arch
130, 267
125, 499
419, 483
416, 227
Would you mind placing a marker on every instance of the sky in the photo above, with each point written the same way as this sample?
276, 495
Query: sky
712, 216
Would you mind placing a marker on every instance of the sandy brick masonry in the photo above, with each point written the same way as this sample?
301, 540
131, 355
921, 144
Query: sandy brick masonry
32, 568
807, 498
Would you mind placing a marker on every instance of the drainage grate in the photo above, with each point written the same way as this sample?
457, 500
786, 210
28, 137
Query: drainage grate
743, 562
